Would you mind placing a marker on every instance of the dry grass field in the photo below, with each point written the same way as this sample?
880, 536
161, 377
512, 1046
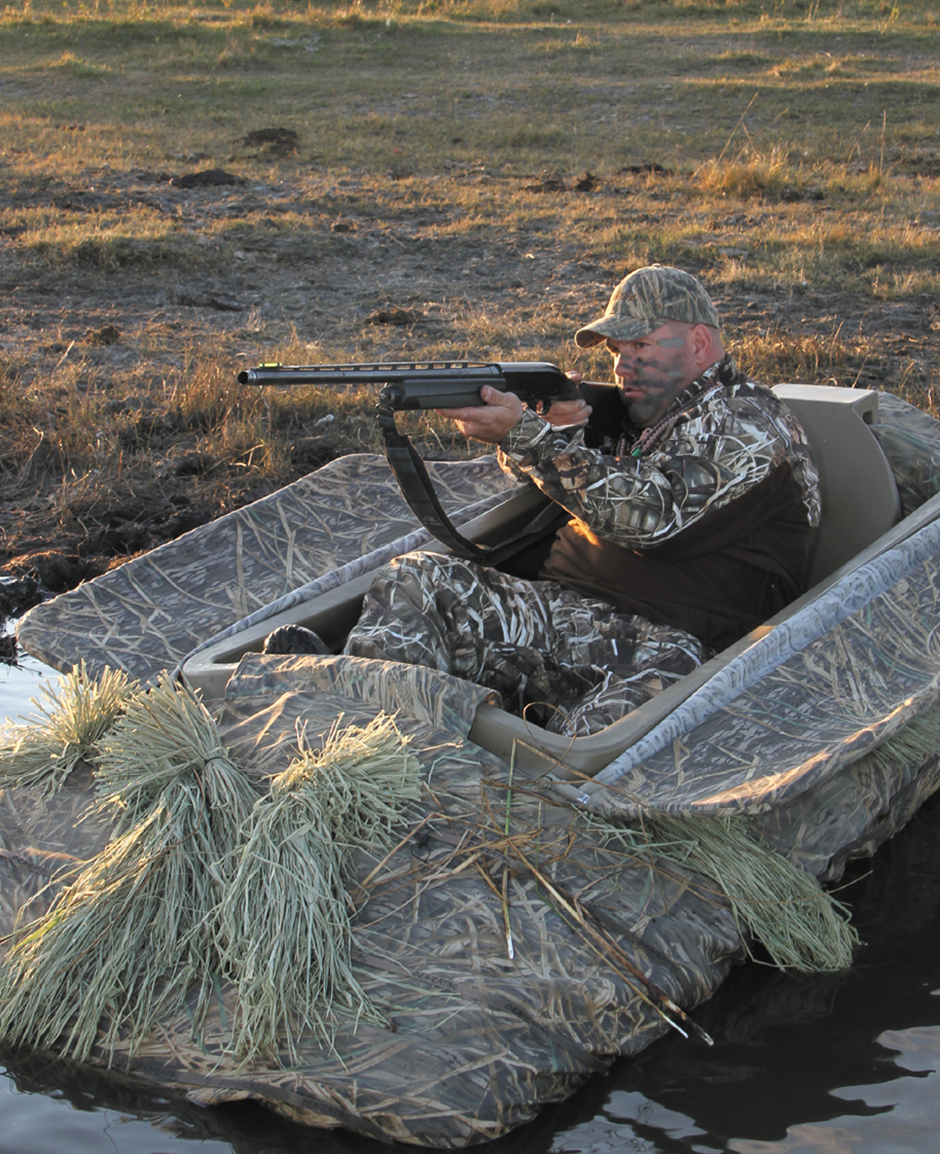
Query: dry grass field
189, 188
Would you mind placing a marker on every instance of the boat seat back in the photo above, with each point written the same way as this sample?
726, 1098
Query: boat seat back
859, 495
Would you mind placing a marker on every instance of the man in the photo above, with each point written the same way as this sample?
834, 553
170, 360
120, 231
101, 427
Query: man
691, 523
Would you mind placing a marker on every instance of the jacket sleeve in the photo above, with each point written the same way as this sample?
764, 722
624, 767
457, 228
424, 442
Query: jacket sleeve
716, 456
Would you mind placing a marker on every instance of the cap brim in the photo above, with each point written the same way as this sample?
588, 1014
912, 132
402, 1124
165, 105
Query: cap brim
617, 329
587, 338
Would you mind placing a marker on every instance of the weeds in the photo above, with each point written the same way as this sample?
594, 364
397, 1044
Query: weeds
753, 174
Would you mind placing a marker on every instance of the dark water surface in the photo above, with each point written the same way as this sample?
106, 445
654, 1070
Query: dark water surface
843, 1064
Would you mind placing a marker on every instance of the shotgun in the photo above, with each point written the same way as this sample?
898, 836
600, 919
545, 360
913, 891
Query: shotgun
440, 385
429, 384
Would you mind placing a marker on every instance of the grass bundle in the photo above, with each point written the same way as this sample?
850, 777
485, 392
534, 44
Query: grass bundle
166, 738
911, 747
786, 909
127, 939
286, 912
72, 719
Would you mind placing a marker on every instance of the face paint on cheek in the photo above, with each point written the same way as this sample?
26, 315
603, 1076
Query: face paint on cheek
652, 384
650, 372
675, 375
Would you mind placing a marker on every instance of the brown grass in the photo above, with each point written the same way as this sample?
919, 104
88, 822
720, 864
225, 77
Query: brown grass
482, 170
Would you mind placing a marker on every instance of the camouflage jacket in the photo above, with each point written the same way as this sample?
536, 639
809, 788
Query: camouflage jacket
705, 521
723, 436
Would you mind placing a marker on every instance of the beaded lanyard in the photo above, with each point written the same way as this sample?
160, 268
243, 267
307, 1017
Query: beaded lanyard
650, 437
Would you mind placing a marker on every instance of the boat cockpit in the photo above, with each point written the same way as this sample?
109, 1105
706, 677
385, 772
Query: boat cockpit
860, 519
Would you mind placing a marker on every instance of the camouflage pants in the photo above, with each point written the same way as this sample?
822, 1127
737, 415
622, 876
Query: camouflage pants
566, 662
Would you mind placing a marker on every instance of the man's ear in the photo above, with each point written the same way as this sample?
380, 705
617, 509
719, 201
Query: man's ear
704, 345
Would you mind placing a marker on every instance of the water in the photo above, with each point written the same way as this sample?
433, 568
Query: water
19, 683
840, 1064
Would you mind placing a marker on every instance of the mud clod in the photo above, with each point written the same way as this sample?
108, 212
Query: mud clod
274, 141
208, 178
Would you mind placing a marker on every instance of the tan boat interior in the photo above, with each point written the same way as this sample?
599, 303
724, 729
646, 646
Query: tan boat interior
860, 513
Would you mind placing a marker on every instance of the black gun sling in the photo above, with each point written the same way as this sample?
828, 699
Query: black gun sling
418, 490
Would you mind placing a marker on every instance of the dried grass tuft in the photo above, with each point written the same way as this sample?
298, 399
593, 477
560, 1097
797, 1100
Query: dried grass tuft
122, 945
286, 913
752, 174
168, 737
801, 927
204, 878
70, 721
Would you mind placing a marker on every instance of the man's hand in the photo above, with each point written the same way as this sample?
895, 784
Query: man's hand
492, 420
574, 412
500, 412
568, 412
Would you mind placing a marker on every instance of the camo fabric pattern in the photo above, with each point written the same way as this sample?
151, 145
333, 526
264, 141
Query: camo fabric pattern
647, 299
910, 439
563, 661
708, 453
148, 614
500, 1001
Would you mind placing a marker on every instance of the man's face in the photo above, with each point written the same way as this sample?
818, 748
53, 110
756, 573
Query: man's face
653, 371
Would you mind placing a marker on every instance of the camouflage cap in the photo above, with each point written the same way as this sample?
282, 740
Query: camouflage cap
647, 299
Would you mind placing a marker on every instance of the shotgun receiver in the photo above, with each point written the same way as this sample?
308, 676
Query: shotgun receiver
429, 384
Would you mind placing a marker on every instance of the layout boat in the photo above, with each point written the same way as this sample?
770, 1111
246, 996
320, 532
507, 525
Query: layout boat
546, 904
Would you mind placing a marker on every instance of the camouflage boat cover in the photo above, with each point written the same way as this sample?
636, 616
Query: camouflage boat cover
910, 439
150, 613
823, 742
